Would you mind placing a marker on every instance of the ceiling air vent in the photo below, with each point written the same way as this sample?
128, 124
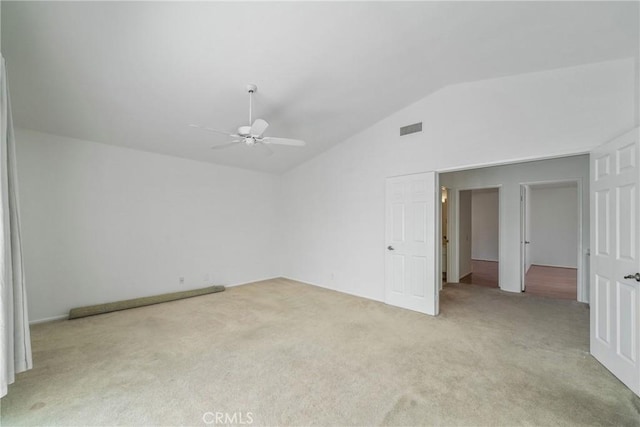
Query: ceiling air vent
409, 129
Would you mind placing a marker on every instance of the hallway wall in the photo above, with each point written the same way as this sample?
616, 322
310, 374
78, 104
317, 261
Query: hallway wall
484, 224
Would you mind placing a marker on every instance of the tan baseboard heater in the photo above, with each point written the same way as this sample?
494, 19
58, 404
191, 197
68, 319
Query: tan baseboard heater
109, 307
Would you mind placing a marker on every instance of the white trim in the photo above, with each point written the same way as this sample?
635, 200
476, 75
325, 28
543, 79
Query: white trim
555, 266
66, 316
233, 285
524, 194
554, 181
450, 232
526, 159
437, 243
306, 282
49, 319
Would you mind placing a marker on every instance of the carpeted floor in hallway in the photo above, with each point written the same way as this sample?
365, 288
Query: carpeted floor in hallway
286, 353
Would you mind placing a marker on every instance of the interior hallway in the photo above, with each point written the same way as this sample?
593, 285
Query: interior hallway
295, 354
552, 282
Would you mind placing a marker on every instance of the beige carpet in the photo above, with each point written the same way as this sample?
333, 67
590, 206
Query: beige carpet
294, 354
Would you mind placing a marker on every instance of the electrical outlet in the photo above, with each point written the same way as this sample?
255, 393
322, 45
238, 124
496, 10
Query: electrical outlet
181, 280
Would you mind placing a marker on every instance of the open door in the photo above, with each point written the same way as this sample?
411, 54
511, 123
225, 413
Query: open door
444, 232
525, 221
615, 265
411, 231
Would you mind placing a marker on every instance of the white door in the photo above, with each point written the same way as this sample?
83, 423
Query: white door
615, 237
411, 266
444, 232
525, 227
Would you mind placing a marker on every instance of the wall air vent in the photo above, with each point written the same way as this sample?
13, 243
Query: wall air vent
409, 129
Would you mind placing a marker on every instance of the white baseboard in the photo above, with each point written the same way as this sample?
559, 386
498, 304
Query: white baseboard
48, 319
252, 281
463, 274
64, 316
355, 294
555, 266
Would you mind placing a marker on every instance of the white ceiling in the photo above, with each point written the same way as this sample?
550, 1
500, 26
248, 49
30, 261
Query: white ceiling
136, 74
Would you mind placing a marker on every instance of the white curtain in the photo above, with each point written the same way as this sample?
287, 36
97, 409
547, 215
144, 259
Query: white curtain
15, 340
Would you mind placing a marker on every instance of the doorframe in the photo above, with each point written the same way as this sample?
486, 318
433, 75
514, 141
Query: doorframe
524, 195
453, 252
581, 253
440, 230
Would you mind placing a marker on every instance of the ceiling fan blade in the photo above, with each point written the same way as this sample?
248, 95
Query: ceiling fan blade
258, 127
283, 141
228, 144
208, 129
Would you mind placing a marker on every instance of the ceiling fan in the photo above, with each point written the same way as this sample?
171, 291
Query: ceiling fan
252, 134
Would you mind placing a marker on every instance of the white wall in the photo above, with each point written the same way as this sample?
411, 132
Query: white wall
554, 226
103, 223
333, 205
464, 233
484, 225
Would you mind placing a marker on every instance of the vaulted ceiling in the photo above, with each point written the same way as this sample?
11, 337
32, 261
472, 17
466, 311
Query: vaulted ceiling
137, 74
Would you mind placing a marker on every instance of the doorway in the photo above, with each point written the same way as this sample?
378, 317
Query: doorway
608, 180
551, 233
508, 179
444, 233
478, 237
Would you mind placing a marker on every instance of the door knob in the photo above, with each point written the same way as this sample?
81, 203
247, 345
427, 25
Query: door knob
390, 248
633, 276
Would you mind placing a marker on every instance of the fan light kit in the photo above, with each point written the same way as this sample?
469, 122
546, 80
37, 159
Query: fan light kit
253, 133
